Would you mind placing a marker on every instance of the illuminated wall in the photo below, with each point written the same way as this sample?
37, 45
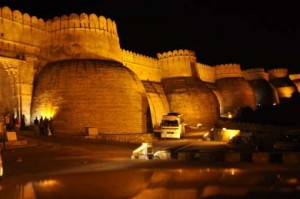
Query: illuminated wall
159, 105
177, 63
235, 91
296, 79
265, 93
91, 93
172, 81
282, 83
16, 86
192, 98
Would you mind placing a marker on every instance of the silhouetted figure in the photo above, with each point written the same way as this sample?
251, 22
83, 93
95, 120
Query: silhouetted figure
8, 122
41, 125
51, 125
23, 120
36, 125
46, 126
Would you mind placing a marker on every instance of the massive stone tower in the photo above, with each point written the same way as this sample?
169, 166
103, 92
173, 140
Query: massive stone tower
280, 80
91, 93
265, 92
185, 92
236, 92
84, 83
296, 79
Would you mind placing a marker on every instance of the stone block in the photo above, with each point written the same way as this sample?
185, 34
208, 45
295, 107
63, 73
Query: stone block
11, 136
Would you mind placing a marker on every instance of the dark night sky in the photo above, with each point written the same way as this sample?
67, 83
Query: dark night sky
253, 33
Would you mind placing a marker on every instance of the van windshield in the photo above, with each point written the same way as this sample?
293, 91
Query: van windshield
169, 123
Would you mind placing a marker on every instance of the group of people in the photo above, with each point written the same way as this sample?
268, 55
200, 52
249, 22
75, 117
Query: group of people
13, 123
43, 126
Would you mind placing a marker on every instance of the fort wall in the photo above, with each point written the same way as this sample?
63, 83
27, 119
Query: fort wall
158, 102
255, 74
206, 73
296, 79
81, 36
177, 63
228, 70
145, 67
278, 73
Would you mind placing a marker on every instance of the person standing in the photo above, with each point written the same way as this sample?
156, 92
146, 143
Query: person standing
41, 125
36, 125
23, 121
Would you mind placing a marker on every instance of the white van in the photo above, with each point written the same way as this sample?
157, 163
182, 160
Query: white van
172, 126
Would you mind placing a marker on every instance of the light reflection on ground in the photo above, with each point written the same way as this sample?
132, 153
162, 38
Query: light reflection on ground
169, 183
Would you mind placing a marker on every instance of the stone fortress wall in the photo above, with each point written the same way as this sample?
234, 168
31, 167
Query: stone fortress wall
63, 37
27, 44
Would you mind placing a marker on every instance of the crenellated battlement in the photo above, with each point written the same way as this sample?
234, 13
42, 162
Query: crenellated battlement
25, 19
177, 63
206, 73
65, 37
82, 21
294, 77
228, 70
73, 21
132, 57
278, 73
176, 53
255, 74
145, 67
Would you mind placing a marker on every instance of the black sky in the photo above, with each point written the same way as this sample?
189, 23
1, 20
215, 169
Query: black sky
253, 33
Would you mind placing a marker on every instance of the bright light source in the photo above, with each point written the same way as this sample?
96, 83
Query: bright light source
228, 134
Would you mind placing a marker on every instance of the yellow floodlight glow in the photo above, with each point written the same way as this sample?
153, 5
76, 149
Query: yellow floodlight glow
47, 183
228, 134
48, 111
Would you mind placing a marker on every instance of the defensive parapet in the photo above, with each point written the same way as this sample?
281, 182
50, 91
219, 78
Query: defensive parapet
206, 73
83, 36
228, 70
145, 67
278, 73
20, 33
280, 80
255, 74
177, 63
73, 36
296, 79
265, 93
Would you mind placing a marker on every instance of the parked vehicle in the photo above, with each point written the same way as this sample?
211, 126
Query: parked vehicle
172, 126
162, 155
288, 141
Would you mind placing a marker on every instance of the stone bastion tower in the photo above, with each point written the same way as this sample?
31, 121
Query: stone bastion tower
265, 92
284, 86
185, 92
236, 92
80, 80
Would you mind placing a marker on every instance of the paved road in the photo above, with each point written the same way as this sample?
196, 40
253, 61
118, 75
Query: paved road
63, 167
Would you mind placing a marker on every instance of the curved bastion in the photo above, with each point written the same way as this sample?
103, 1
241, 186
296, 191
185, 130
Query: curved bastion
91, 93
192, 98
236, 92
296, 79
280, 80
265, 93
185, 92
